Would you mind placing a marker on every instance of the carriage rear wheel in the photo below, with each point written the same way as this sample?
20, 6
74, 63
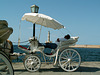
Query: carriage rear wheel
5, 65
32, 63
69, 60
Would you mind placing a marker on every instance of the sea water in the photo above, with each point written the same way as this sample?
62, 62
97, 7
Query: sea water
87, 54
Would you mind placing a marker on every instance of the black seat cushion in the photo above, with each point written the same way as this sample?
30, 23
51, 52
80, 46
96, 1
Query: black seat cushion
49, 45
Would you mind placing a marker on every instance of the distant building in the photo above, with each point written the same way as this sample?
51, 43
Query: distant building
48, 38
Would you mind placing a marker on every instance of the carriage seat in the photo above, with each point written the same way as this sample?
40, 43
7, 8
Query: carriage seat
49, 45
36, 44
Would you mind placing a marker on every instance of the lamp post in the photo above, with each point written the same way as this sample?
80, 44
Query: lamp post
34, 9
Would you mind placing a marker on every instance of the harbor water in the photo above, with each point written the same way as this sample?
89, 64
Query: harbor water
87, 54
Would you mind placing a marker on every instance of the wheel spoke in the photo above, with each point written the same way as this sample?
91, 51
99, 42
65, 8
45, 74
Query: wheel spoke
64, 58
64, 55
67, 53
70, 54
76, 59
73, 53
29, 65
64, 63
74, 56
69, 65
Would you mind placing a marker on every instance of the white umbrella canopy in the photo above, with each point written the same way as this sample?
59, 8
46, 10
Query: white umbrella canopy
43, 20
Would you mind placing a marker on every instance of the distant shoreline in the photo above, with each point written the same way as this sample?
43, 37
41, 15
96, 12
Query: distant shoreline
86, 46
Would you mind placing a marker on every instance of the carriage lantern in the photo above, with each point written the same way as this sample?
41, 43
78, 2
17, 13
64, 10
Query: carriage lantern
34, 9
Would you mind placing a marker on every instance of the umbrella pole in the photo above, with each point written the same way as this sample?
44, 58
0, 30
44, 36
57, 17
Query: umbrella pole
34, 30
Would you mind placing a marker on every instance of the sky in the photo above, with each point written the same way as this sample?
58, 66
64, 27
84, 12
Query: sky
80, 17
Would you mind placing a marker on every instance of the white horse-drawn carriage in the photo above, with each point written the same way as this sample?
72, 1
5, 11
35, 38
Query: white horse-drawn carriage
64, 56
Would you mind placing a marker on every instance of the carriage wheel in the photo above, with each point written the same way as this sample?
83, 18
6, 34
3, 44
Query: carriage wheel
5, 65
32, 63
69, 60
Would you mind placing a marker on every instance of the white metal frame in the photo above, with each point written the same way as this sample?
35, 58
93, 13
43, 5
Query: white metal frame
36, 48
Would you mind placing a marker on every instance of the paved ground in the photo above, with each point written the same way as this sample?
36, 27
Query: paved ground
86, 68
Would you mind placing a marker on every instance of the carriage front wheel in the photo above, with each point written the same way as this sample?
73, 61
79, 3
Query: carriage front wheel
69, 60
32, 63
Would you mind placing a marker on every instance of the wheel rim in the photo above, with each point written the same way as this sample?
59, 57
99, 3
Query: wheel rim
32, 63
5, 66
69, 60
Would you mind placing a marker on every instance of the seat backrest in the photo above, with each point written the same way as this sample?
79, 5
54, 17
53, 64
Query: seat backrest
34, 44
70, 41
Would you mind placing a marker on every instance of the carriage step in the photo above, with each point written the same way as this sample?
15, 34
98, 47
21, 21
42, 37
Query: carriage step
18, 54
15, 55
